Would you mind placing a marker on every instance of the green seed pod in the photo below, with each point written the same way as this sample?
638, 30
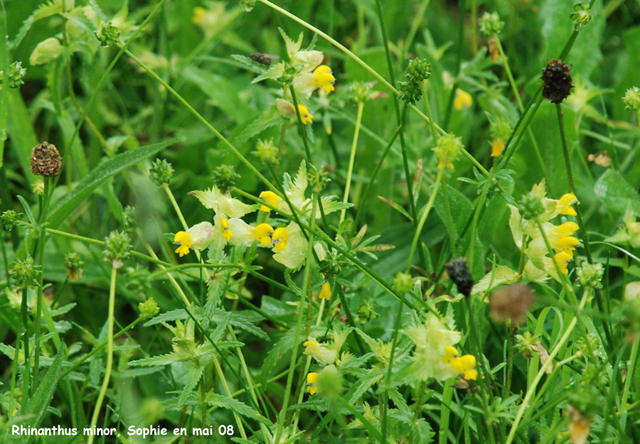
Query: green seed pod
25, 273
530, 206
108, 35
117, 248
161, 172
9, 219
225, 178
490, 24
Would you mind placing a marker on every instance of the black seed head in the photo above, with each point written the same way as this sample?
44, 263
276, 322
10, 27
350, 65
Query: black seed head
459, 274
556, 81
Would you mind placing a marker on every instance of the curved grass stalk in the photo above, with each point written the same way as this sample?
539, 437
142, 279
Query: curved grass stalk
532, 388
107, 373
352, 159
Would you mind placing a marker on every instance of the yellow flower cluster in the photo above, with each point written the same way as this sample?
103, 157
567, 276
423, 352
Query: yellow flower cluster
463, 364
528, 238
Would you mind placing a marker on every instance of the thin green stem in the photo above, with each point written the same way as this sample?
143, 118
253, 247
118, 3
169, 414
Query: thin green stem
352, 159
26, 376
301, 128
107, 373
631, 371
445, 411
507, 385
532, 388
387, 379
423, 218
474, 26
175, 206
301, 310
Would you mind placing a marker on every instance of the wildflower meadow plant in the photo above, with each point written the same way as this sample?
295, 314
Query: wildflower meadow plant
303, 222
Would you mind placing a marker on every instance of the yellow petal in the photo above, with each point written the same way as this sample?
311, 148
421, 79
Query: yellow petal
463, 99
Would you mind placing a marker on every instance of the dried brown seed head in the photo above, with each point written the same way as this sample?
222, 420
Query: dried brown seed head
556, 81
511, 303
46, 160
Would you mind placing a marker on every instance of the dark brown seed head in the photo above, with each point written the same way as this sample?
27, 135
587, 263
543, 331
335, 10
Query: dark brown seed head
460, 275
511, 303
556, 81
46, 160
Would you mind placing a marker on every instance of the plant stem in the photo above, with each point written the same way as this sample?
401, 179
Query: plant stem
630, 371
301, 306
507, 386
445, 411
474, 25
581, 227
423, 218
107, 374
532, 388
301, 128
352, 159
387, 379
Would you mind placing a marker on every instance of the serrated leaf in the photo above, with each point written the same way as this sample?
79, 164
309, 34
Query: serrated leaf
235, 406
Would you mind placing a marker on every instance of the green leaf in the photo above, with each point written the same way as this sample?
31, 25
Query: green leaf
236, 406
38, 403
97, 176
616, 193
21, 133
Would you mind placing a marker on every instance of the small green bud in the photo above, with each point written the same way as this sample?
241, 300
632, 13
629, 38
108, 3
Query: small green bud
224, 177
108, 35
73, 263
25, 273
417, 72
366, 312
9, 219
581, 15
403, 283
117, 248
161, 172
490, 24
527, 344
247, 5
530, 206
589, 275
16, 74
148, 309
38, 187
318, 178
448, 150
360, 92
266, 151
631, 99
129, 219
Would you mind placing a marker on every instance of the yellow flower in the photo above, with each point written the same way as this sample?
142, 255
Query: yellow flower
563, 258
325, 293
324, 78
270, 198
320, 352
463, 364
286, 109
263, 234
198, 13
312, 377
279, 238
463, 99
198, 237
497, 147
564, 205
224, 227
183, 239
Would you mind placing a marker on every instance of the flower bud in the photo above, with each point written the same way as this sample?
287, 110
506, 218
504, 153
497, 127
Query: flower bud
360, 92
448, 150
403, 283
161, 172
631, 99
129, 219
108, 35
148, 309
530, 206
73, 263
266, 151
581, 15
16, 74
38, 187
417, 71
589, 275
9, 219
25, 273
490, 24
224, 177
45, 160
117, 248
